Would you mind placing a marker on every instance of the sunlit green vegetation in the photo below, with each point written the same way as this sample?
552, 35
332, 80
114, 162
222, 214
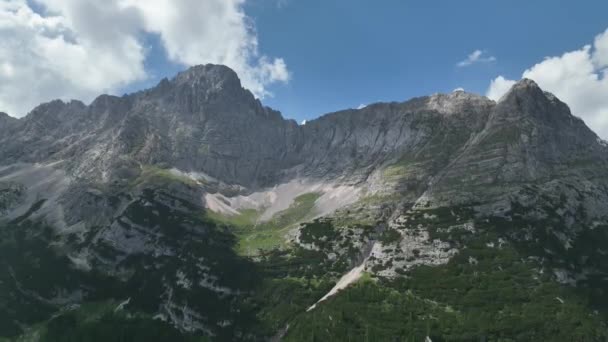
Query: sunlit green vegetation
255, 236
246, 218
154, 174
486, 292
399, 170
496, 298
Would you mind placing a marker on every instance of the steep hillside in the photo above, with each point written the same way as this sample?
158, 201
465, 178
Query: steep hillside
192, 212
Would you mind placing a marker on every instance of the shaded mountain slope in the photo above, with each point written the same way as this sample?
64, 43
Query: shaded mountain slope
193, 204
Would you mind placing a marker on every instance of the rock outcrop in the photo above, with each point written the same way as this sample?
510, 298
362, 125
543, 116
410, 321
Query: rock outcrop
134, 197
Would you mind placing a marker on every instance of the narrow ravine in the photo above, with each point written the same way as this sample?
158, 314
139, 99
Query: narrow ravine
343, 283
346, 280
353, 275
349, 278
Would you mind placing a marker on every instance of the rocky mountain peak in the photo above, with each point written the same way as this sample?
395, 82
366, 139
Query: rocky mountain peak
147, 197
458, 102
203, 120
529, 135
523, 90
526, 83
205, 90
529, 107
209, 76
526, 100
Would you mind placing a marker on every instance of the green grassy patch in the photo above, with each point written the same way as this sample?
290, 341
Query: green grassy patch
378, 199
153, 174
254, 236
299, 210
398, 171
246, 218
366, 277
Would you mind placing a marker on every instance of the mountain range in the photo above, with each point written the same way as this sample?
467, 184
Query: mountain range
190, 211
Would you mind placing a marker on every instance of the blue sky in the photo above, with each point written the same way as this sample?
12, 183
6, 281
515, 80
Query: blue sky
345, 53
307, 57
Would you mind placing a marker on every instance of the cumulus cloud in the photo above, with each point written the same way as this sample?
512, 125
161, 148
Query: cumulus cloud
477, 56
59, 56
81, 48
578, 78
212, 31
498, 87
458, 89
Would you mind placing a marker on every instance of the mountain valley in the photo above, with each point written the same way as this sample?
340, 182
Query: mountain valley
192, 212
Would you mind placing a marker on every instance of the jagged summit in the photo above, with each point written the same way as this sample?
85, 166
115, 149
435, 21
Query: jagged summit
526, 99
146, 199
525, 86
526, 83
208, 71
526, 89
203, 120
458, 101
209, 76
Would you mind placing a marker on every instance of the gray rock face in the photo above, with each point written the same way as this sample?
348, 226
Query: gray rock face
204, 121
6, 123
97, 176
10, 195
529, 136
353, 143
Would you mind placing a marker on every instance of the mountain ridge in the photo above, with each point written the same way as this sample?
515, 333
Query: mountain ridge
217, 216
177, 95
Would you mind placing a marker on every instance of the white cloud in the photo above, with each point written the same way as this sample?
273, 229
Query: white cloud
361, 106
303, 122
498, 87
458, 89
578, 78
212, 31
477, 56
55, 56
600, 57
81, 48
